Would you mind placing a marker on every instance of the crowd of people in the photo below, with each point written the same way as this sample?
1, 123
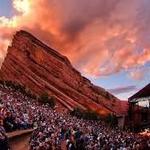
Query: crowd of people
54, 130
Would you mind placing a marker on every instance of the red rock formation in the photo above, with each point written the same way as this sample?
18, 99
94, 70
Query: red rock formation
40, 68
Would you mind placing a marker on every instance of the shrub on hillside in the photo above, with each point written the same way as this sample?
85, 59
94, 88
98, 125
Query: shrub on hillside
111, 120
44, 98
18, 87
88, 114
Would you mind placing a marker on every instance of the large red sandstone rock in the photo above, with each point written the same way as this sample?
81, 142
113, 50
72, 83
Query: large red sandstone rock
40, 68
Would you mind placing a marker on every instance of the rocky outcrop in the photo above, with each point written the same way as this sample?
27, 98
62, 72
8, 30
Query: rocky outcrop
40, 68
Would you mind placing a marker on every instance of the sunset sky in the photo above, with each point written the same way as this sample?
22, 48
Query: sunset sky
108, 41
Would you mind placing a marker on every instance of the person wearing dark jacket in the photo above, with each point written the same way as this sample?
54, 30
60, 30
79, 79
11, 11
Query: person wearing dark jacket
3, 138
9, 123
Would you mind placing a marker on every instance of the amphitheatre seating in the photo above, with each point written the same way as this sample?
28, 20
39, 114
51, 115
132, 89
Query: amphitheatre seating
55, 130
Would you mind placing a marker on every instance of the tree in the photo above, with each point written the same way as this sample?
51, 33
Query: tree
111, 120
52, 101
44, 98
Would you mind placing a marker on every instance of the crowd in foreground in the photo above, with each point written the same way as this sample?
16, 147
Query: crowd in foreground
55, 131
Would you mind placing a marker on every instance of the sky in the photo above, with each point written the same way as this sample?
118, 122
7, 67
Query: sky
108, 41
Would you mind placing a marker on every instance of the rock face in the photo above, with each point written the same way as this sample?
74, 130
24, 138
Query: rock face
40, 68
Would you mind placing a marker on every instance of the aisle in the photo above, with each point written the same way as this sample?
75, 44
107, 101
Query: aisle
19, 140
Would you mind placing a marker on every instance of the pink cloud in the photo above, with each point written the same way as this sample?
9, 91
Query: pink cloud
100, 37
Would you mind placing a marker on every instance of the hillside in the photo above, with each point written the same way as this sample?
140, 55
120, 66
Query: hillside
40, 68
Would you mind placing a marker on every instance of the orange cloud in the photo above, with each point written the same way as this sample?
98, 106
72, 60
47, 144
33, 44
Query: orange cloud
139, 73
99, 37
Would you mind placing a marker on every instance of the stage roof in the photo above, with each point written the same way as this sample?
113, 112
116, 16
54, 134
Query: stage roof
145, 92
